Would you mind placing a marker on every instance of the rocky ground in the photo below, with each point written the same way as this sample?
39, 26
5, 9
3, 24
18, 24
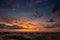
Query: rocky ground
29, 36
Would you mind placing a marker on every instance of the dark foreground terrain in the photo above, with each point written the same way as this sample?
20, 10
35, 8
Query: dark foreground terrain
29, 36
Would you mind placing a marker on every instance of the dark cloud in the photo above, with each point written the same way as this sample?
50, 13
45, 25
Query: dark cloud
56, 7
56, 10
56, 14
37, 12
57, 25
51, 20
2, 26
37, 16
53, 26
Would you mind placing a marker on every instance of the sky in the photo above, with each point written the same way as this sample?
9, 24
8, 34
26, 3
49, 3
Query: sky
36, 11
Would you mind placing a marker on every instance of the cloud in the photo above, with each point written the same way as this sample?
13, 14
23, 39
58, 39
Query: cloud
38, 1
57, 25
2, 26
51, 20
56, 10
53, 26
56, 7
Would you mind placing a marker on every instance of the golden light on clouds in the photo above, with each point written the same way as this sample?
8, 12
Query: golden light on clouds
28, 26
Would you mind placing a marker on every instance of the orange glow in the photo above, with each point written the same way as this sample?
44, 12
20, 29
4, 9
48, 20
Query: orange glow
27, 25
21, 23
